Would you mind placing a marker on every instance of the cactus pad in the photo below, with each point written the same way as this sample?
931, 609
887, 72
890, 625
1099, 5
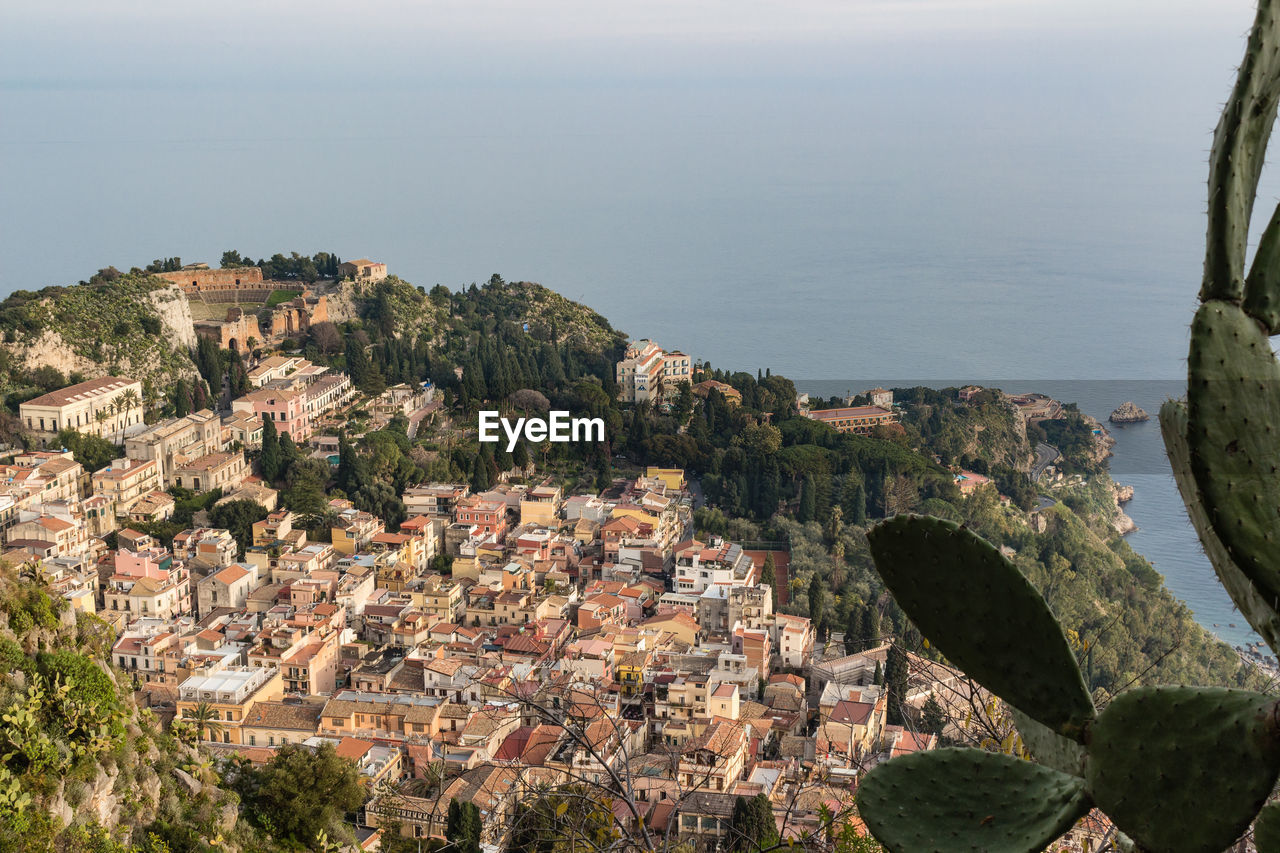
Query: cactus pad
1233, 418
988, 619
1262, 287
966, 799
1239, 146
1266, 829
1263, 618
1048, 747
1184, 769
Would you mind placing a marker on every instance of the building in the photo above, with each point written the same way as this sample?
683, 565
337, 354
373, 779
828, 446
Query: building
212, 471
125, 481
731, 395
643, 372
227, 587
881, 397
212, 546
176, 439
231, 692
860, 420
362, 270
148, 582
284, 407
104, 407
199, 280
541, 505
238, 332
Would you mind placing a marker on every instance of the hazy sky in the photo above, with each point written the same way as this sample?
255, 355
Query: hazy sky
153, 42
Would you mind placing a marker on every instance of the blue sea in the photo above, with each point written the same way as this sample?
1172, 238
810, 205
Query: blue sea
986, 189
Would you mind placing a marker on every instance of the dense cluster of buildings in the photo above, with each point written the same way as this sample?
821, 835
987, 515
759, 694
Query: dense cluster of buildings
580, 636
494, 644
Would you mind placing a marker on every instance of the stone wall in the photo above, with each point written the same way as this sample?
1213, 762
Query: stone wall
199, 281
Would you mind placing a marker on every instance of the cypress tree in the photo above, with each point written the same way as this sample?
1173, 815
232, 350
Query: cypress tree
817, 598
870, 625
769, 574
270, 460
895, 679
480, 480
808, 501
181, 399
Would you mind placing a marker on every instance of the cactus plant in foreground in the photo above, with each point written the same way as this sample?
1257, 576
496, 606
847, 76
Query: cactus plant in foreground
1178, 769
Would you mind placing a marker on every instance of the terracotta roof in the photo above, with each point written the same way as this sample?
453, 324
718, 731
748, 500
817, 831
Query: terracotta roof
299, 716
82, 391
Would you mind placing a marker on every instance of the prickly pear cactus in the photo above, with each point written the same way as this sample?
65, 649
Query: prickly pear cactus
984, 616
1177, 769
1160, 754
1266, 829
966, 799
1252, 603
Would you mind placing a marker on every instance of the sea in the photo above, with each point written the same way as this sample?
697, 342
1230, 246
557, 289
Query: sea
990, 189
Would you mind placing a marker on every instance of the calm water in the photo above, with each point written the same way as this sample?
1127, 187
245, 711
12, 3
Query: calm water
921, 191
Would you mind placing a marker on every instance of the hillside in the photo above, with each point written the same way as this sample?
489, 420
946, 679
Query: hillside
135, 325
83, 763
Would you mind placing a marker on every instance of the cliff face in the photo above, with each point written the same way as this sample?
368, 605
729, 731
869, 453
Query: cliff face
171, 306
136, 325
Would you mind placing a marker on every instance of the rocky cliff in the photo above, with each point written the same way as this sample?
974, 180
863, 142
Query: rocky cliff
136, 325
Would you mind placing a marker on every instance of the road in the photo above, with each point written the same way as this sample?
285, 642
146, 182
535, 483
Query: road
1045, 456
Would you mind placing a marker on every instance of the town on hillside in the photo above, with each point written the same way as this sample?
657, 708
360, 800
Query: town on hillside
495, 640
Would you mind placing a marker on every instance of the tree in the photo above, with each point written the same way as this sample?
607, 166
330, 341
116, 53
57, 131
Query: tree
752, 826
270, 459
768, 575
305, 791
932, 719
895, 679
870, 625
480, 475
359, 367
464, 826
817, 597
205, 718
238, 517
181, 399
520, 456
125, 403
808, 501
326, 337
91, 451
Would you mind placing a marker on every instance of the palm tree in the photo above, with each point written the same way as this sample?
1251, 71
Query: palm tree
124, 403
101, 416
205, 717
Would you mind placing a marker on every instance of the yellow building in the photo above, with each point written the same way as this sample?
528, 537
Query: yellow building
230, 692
672, 478
541, 505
